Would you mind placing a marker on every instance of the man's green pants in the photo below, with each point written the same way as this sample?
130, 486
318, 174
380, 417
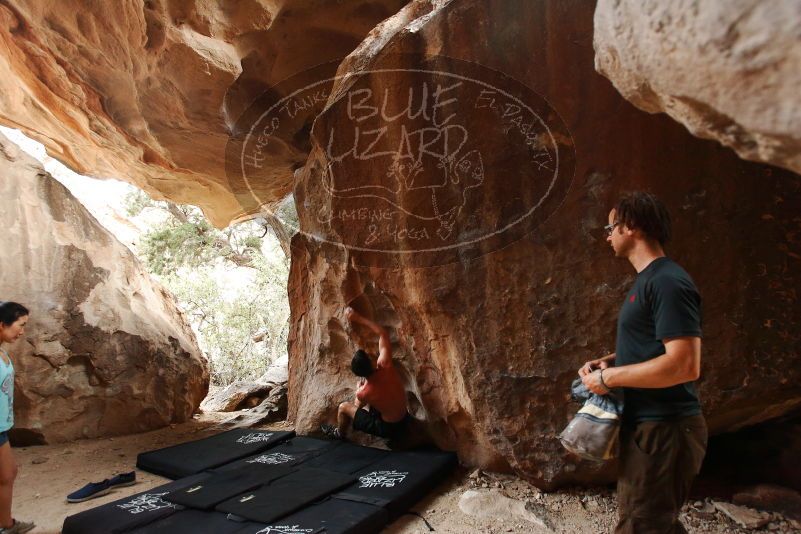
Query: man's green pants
658, 463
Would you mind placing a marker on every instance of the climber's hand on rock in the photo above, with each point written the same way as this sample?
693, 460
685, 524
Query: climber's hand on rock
349, 313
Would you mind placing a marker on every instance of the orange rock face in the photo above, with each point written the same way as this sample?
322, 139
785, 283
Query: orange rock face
150, 92
451, 176
489, 337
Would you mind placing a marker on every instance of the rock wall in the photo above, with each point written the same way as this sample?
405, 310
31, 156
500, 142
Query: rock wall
728, 71
106, 351
492, 308
489, 341
150, 91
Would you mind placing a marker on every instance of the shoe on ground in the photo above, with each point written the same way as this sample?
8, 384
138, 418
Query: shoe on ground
17, 528
89, 491
332, 432
122, 480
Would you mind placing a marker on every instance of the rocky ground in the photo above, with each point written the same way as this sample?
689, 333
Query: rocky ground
470, 501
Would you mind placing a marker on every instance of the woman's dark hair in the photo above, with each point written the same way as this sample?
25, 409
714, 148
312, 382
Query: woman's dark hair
11, 311
644, 212
361, 364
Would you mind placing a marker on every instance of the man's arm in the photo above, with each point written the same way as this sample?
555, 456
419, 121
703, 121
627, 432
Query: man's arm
384, 344
681, 363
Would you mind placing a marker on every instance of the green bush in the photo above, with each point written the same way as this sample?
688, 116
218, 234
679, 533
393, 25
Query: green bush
232, 284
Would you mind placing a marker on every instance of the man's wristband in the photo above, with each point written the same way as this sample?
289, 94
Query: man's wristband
601, 376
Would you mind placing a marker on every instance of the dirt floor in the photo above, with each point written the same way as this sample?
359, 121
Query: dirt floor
48, 473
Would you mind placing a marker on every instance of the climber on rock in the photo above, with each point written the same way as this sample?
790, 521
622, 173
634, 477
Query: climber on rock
379, 407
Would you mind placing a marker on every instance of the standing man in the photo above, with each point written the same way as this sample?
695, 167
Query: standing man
380, 404
656, 361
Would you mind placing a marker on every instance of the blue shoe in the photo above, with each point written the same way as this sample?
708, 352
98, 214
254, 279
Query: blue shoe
90, 491
123, 479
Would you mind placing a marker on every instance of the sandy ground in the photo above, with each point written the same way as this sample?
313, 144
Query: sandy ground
48, 473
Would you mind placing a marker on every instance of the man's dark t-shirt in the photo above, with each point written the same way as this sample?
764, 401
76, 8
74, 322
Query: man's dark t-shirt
662, 303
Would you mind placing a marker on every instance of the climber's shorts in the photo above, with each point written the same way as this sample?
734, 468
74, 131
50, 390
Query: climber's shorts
371, 423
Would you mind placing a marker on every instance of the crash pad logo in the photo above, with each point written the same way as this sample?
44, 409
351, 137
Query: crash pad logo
424, 161
148, 502
382, 479
285, 529
272, 459
259, 437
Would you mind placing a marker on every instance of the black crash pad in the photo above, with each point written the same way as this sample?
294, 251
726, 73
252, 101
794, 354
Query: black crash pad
286, 495
346, 458
331, 516
195, 522
332, 487
128, 513
215, 488
293, 452
199, 455
400, 479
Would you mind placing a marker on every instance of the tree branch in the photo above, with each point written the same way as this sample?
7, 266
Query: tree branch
176, 212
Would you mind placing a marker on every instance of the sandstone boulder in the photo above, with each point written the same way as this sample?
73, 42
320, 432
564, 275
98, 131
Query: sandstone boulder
107, 351
488, 340
728, 71
270, 410
277, 372
235, 396
151, 91
498, 283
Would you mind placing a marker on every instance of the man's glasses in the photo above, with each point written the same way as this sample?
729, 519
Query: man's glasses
609, 228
